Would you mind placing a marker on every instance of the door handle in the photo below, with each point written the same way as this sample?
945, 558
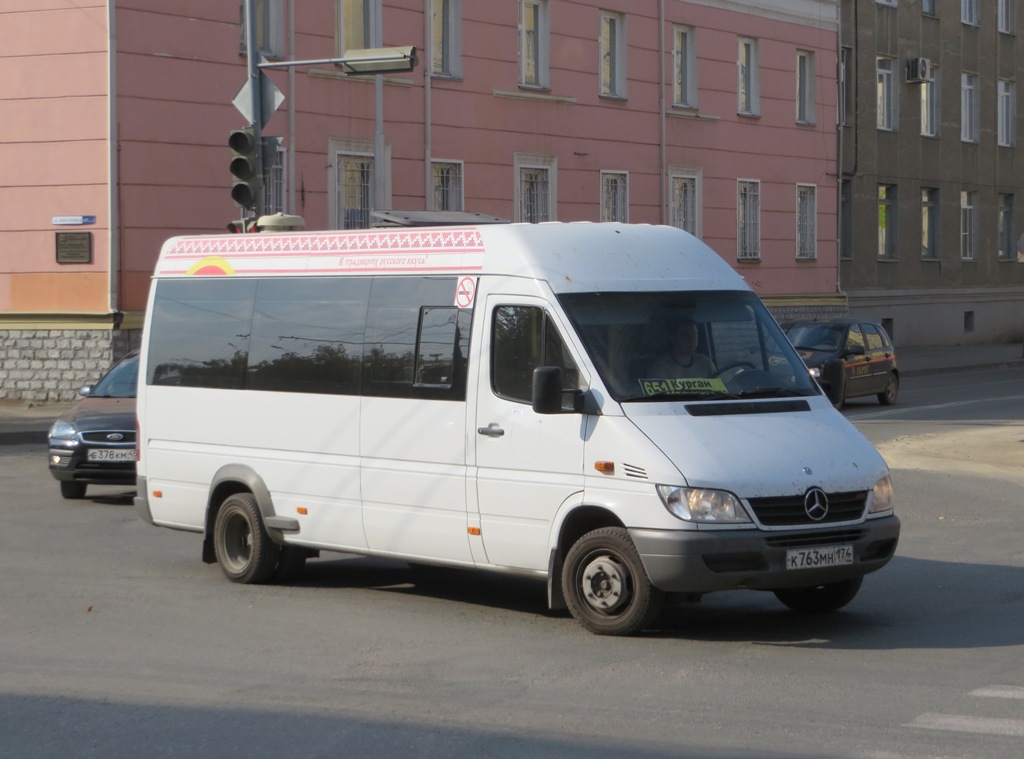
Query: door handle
491, 430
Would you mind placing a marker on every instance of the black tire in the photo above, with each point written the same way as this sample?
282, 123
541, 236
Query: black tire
244, 550
72, 489
892, 388
606, 586
290, 564
820, 599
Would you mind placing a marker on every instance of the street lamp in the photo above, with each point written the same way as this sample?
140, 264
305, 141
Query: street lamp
365, 61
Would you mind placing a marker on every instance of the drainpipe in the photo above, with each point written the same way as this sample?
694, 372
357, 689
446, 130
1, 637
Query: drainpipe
663, 150
291, 108
113, 181
428, 67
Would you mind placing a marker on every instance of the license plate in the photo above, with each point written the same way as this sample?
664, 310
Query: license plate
812, 558
112, 454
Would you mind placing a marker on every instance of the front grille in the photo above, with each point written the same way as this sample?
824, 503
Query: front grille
99, 437
814, 539
788, 511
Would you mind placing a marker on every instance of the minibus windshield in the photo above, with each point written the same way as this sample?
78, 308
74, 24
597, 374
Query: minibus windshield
687, 345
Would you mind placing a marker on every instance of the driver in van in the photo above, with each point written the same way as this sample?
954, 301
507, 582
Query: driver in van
682, 361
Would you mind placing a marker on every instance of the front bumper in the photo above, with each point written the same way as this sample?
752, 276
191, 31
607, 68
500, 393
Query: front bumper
73, 465
685, 561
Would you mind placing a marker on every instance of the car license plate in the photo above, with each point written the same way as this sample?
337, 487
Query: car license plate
811, 558
112, 454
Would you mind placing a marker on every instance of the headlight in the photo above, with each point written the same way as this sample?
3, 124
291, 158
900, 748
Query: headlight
881, 496
702, 504
63, 431
815, 372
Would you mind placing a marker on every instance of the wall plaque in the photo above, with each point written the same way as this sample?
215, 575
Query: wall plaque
74, 247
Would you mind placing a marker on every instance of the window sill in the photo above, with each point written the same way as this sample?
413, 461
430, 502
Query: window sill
687, 112
614, 98
752, 116
528, 94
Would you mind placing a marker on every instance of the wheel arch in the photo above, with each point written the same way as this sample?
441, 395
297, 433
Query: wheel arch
580, 520
229, 480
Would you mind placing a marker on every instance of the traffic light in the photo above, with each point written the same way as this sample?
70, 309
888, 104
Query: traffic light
245, 167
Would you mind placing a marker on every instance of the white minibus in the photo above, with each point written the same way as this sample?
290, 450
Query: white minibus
607, 407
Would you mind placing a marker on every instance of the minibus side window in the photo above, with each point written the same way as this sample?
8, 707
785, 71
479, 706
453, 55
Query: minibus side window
307, 335
523, 339
199, 335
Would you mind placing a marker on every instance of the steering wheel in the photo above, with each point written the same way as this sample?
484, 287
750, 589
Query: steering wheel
744, 365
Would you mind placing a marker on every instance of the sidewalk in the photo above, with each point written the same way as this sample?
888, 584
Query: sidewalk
24, 423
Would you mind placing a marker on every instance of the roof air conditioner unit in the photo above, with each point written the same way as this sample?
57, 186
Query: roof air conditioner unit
918, 69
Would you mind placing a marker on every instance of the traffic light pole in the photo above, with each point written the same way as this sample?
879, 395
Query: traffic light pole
256, 92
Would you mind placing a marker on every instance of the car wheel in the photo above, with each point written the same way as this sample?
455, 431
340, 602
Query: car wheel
606, 586
820, 599
72, 490
244, 549
892, 388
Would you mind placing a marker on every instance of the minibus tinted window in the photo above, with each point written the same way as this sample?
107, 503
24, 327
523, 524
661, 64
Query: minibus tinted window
524, 339
200, 333
307, 335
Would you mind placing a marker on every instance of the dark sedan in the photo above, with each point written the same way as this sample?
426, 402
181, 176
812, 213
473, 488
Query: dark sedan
849, 358
94, 441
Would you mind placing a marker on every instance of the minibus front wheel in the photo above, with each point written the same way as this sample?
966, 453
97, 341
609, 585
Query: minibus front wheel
244, 550
605, 585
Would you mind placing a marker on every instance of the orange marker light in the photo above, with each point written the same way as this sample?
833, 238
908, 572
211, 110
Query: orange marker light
302, 510
605, 467
158, 494
474, 530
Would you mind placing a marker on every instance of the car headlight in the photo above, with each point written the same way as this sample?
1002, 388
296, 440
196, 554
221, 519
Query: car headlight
881, 496
815, 372
63, 431
702, 504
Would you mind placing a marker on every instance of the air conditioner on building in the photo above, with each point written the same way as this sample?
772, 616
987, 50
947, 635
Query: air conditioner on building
918, 69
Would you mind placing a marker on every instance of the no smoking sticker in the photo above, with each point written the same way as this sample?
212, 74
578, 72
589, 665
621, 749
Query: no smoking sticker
465, 292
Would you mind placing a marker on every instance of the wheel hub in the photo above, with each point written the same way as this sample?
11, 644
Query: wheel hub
604, 584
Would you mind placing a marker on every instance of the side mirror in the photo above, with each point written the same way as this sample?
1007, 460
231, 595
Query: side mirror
85, 390
547, 390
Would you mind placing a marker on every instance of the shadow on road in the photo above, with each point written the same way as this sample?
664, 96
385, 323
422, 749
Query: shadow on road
912, 604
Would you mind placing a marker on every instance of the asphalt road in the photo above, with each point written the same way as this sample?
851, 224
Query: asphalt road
116, 641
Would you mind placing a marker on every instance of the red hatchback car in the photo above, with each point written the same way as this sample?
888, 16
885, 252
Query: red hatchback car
849, 358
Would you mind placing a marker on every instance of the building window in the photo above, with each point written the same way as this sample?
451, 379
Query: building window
929, 223
684, 57
354, 189
535, 188
748, 78
269, 28
614, 196
929, 7
968, 225
846, 219
748, 220
685, 210
969, 12
533, 43
1007, 236
613, 55
887, 221
1004, 11
806, 222
446, 37
356, 24
1006, 113
847, 85
274, 197
890, 3
447, 185
930, 113
968, 107
886, 93
805, 87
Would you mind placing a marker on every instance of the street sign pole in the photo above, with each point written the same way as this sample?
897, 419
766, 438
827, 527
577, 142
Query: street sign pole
256, 93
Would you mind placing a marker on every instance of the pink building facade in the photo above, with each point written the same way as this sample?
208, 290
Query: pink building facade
718, 118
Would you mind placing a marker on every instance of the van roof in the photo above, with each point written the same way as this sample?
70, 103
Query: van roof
571, 257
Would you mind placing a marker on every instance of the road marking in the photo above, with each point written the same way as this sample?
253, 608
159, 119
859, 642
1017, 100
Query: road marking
960, 724
1000, 691
932, 407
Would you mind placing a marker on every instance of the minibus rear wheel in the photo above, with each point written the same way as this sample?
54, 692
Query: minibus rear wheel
605, 585
820, 599
244, 550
